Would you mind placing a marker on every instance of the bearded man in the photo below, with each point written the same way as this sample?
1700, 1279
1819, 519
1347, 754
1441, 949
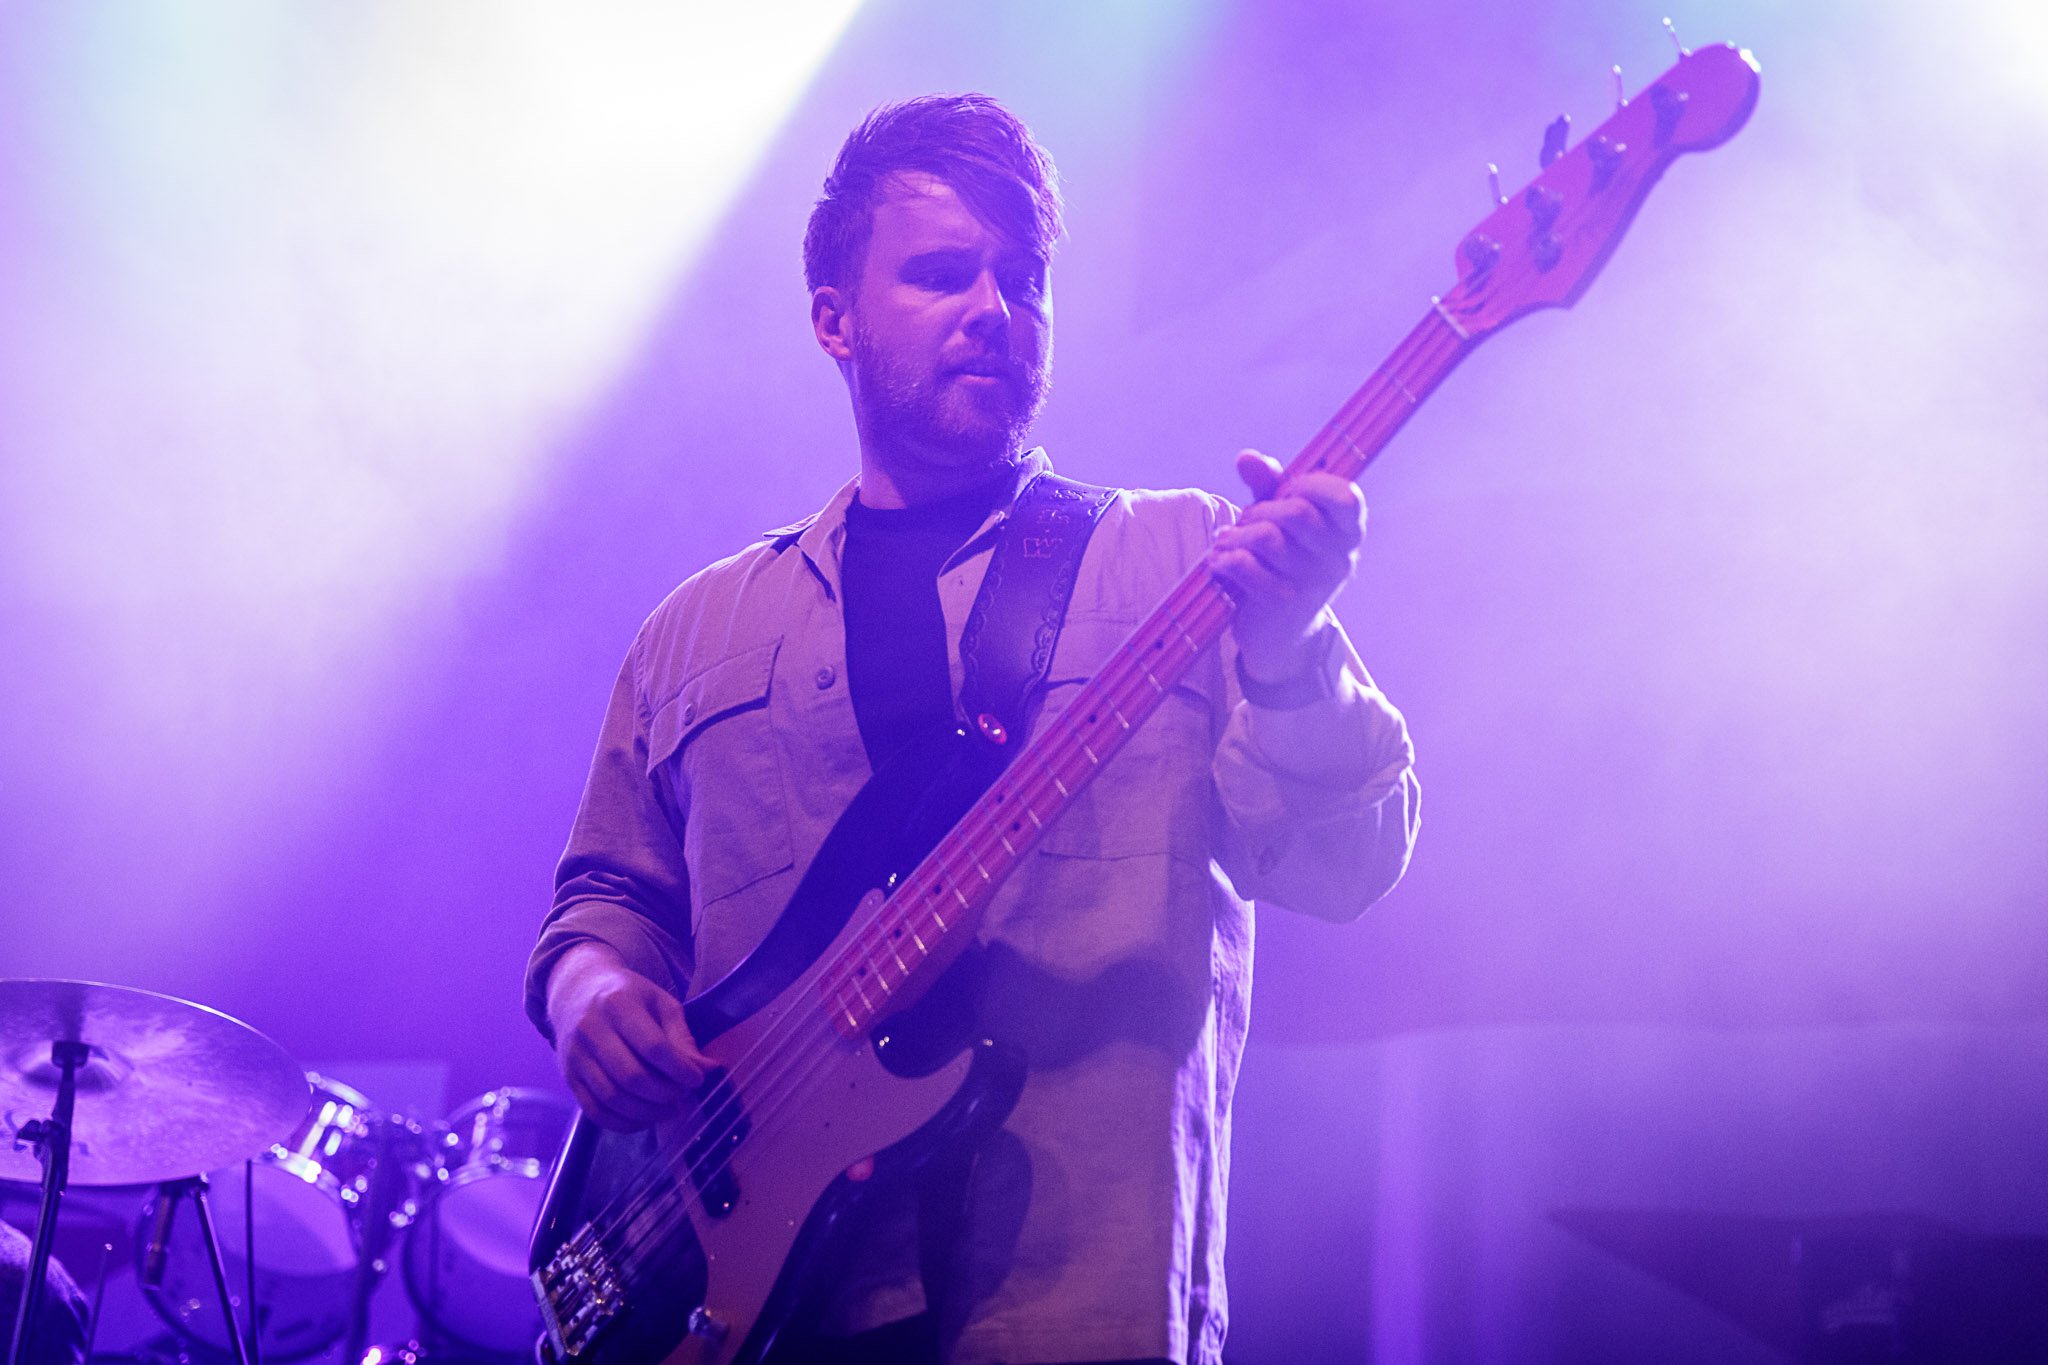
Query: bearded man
760, 696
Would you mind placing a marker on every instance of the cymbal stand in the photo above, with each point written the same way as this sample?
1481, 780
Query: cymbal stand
51, 1138
197, 1187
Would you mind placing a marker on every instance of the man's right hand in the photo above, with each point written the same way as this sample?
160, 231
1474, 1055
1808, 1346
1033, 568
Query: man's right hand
621, 1041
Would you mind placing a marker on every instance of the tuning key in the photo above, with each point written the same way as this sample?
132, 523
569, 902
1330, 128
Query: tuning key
1554, 139
1672, 29
1481, 251
1620, 91
1670, 106
1493, 185
1605, 154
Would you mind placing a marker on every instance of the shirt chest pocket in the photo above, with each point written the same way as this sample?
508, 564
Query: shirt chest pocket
1155, 796
715, 742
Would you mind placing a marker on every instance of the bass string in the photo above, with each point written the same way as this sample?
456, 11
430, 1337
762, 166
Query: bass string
1430, 346
807, 1046
802, 1038
785, 1088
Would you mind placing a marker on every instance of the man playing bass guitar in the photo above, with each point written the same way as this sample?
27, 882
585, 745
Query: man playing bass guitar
759, 697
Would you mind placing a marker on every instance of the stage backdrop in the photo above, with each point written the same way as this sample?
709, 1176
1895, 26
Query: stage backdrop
368, 372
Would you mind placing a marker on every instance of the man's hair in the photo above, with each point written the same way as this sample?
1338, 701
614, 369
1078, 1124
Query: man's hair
971, 142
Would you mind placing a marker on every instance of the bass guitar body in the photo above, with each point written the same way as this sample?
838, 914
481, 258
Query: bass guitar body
712, 1240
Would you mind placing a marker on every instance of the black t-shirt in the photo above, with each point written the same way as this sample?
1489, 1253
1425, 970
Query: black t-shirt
896, 664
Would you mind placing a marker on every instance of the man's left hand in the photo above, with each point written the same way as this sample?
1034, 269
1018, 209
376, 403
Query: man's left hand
1284, 560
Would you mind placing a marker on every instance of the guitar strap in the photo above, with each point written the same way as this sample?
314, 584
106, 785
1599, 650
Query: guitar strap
1006, 646
1005, 652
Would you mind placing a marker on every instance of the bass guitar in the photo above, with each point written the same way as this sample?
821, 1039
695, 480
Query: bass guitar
706, 1241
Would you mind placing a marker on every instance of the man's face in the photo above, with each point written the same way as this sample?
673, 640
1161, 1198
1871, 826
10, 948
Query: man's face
951, 327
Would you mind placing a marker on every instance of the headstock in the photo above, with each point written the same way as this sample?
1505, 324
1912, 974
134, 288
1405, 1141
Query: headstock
1544, 245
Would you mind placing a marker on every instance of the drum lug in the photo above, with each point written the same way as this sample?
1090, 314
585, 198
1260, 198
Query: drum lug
707, 1324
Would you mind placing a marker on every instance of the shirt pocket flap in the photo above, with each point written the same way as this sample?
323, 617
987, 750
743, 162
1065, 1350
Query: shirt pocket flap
1085, 644
1153, 796
737, 683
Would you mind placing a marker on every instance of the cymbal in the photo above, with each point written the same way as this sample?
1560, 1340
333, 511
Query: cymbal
171, 1089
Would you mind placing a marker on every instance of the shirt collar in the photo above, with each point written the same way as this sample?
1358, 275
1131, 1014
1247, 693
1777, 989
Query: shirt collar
822, 535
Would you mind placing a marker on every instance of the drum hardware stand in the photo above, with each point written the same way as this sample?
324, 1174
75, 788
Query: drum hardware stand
196, 1186
381, 1204
146, 1086
51, 1139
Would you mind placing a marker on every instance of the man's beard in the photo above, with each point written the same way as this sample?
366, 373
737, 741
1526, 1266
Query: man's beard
906, 405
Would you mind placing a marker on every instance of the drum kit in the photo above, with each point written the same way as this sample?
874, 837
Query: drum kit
282, 1196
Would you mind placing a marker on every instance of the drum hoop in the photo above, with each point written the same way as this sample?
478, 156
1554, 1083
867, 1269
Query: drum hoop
309, 1171
413, 1255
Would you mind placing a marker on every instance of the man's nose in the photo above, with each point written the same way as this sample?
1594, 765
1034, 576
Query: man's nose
988, 311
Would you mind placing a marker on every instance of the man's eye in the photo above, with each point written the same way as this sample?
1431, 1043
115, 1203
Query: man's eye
947, 279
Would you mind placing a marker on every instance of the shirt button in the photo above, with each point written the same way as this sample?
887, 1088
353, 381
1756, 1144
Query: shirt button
689, 712
826, 677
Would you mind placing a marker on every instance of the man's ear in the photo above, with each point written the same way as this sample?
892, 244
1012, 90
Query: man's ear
832, 322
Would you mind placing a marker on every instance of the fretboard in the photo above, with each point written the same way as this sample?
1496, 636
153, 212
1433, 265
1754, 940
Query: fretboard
940, 903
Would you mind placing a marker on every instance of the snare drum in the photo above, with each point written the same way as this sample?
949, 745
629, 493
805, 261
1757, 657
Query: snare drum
465, 1258
308, 1195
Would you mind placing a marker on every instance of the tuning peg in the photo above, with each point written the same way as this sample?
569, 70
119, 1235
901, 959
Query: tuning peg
1620, 91
1493, 185
1554, 138
1672, 29
1670, 105
1605, 154
1481, 251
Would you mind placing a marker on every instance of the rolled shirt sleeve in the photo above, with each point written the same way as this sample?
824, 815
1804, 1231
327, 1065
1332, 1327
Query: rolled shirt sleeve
622, 880
1320, 803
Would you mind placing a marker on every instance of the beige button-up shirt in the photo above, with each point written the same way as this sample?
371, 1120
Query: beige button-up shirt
1122, 947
